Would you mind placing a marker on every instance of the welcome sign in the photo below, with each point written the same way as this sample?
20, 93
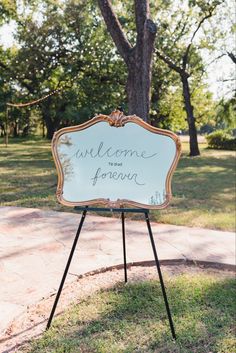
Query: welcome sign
115, 161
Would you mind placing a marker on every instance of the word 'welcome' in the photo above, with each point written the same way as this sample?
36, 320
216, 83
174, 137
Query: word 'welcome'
101, 152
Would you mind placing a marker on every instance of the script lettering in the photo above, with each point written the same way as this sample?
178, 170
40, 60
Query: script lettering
101, 151
115, 176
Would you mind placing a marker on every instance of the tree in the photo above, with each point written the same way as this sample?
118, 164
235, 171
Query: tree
68, 48
138, 58
70, 51
225, 52
185, 52
42, 61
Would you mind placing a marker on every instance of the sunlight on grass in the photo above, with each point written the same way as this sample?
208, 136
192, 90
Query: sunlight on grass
132, 318
204, 191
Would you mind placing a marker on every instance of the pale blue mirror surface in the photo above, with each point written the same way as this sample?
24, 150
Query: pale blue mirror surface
106, 162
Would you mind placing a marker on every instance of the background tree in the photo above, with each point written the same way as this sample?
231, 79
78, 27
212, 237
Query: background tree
137, 57
178, 51
43, 62
225, 51
66, 52
65, 46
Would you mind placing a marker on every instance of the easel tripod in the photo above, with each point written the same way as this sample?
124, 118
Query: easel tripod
122, 211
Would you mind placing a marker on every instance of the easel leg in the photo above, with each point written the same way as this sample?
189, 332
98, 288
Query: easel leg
160, 276
66, 269
124, 247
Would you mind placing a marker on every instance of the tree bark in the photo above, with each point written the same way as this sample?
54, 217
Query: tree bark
138, 58
194, 150
138, 91
138, 86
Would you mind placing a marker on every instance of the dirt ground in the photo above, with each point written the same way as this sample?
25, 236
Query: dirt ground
33, 322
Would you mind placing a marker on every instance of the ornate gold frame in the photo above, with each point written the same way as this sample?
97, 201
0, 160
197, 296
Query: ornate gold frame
115, 119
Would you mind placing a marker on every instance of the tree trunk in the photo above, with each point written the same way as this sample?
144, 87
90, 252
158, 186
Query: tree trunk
47, 118
3, 131
194, 150
26, 128
138, 89
43, 128
15, 129
49, 125
138, 58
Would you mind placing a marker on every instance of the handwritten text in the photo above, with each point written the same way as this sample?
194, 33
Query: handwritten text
115, 176
101, 151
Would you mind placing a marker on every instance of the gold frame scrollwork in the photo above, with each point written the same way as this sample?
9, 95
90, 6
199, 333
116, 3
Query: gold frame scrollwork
115, 119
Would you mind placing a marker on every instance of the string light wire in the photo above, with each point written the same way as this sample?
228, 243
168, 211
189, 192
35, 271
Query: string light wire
21, 105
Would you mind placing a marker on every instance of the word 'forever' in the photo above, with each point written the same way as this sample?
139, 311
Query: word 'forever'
115, 176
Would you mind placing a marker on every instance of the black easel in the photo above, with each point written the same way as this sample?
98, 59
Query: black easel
122, 211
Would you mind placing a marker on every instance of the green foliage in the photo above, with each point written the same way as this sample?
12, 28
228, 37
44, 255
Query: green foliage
7, 10
169, 112
67, 48
177, 24
221, 139
42, 60
183, 32
225, 113
65, 44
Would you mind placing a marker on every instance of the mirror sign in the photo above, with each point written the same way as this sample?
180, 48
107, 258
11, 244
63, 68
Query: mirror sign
115, 161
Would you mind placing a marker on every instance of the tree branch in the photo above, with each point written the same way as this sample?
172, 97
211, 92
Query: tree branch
180, 33
115, 29
215, 59
171, 64
229, 79
185, 56
232, 56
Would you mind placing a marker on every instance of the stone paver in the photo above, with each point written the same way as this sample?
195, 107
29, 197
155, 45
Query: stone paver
34, 247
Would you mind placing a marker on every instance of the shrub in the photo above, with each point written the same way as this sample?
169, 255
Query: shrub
221, 140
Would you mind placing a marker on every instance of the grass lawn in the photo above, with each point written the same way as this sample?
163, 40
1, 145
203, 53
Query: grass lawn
203, 187
132, 319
